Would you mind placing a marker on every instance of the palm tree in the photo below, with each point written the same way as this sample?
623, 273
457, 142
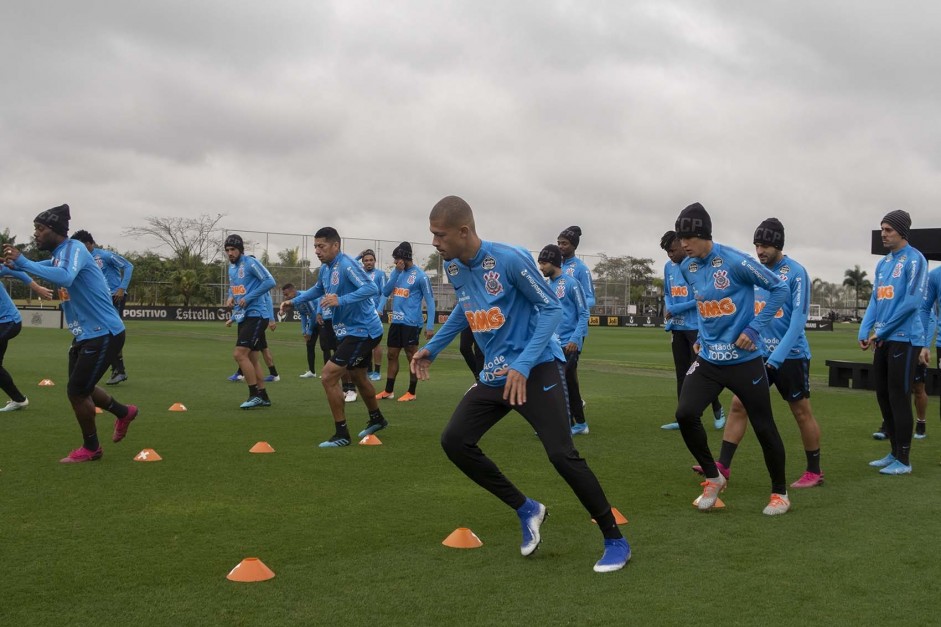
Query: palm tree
857, 281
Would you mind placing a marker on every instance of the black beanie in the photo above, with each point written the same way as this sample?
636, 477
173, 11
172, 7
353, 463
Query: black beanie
572, 234
56, 219
234, 241
551, 254
694, 221
403, 251
770, 233
898, 220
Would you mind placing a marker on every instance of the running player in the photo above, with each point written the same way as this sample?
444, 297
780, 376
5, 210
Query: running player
308, 314
571, 330
342, 287
891, 327
409, 286
98, 333
723, 281
513, 314
117, 271
11, 323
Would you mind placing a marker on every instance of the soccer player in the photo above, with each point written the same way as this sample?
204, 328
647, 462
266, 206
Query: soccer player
409, 286
682, 321
513, 315
249, 287
343, 287
571, 330
931, 310
573, 266
117, 271
890, 327
787, 354
723, 281
368, 259
308, 314
98, 333
11, 323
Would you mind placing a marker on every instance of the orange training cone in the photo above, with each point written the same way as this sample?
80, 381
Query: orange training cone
370, 440
250, 569
619, 518
177, 407
46, 383
719, 504
462, 538
147, 455
261, 447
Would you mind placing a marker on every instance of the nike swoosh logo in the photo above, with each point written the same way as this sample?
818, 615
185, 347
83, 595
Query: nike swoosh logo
795, 394
897, 356
757, 381
549, 387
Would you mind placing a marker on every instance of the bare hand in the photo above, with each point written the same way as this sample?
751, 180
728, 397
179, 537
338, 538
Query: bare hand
118, 295
420, 363
330, 300
744, 342
243, 303
229, 302
272, 325
570, 349
10, 254
429, 334
515, 389
924, 356
41, 291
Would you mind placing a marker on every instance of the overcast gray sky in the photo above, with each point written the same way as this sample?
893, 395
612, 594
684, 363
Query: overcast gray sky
291, 115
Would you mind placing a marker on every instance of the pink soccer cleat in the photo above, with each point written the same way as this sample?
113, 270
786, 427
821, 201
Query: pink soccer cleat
121, 424
808, 480
81, 454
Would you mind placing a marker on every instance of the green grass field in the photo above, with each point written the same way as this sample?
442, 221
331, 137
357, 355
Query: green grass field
354, 534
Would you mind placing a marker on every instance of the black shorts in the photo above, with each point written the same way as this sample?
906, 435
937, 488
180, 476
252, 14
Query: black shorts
252, 333
328, 339
402, 335
792, 379
355, 352
88, 361
8, 331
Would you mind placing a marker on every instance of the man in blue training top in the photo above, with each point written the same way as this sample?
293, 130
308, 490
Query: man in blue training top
308, 314
95, 325
343, 287
786, 354
573, 266
894, 325
571, 330
723, 281
931, 310
682, 321
11, 323
117, 271
377, 276
409, 286
249, 287
513, 314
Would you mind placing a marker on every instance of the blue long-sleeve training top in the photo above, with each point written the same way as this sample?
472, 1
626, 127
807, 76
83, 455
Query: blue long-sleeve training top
250, 280
355, 314
785, 336
931, 308
117, 269
409, 289
579, 269
895, 309
8, 310
574, 324
678, 300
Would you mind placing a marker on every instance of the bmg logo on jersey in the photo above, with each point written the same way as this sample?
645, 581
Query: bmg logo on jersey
885, 292
679, 290
760, 305
716, 308
401, 291
482, 320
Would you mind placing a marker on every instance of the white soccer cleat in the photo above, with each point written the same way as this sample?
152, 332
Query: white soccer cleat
13, 405
779, 504
350, 396
308, 375
710, 492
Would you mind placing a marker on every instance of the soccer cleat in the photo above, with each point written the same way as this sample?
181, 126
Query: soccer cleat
710, 492
308, 375
383, 395
121, 424
580, 428
335, 441
116, 378
82, 454
266, 402
896, 468
235, 377
15, 405
408, 396
719, 418
531, 514
670, 426
374, 376
917, 436
617, 553
808, 480
879, 435
725, 472
920, 427
254, 401
374, 425
779, 504
882, 463
350, 396
272, 378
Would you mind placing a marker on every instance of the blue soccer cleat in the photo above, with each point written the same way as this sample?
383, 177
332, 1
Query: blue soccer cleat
272, 378
374, 376
374, 425
719, 418
896, 468
531, 514
617, 553
670, 426
336, 441
255, 401
580, 428
235, 377
882, 463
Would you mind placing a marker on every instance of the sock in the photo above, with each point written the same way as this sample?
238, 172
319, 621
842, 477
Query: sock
117, 408
375, 415
919, 426
119, 366
342, 430
91, 441
609, 528
264, 394
903, 455
813, 461
390, 385
377, 369
412, 383
273, 370
239, 371
726, 453
252, 391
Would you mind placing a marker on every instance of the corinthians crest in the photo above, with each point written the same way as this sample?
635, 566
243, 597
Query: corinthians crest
492, 283
721, 279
